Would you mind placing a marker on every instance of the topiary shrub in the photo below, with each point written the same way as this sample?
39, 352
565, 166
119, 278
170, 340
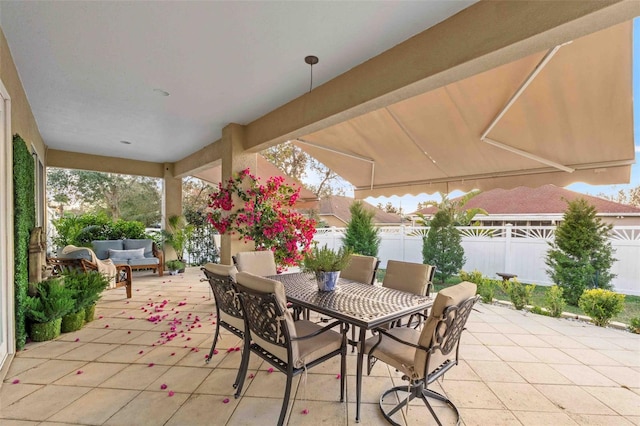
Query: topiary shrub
519, 294
361, 236
554, 302
46, 310
86, 288
601, 305
442, 246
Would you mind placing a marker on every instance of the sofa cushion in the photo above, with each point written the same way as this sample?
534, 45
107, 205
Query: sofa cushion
70, 252
126, 254
145, 244
101, 247
144, 261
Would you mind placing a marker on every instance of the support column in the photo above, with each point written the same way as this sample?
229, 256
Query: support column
171, 202
234, 159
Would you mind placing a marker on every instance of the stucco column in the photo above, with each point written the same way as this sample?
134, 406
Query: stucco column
234, 159
171, 202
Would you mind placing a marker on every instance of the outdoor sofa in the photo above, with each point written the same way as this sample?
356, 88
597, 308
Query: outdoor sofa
137, 253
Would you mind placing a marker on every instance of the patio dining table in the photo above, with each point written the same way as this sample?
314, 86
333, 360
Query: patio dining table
358, 304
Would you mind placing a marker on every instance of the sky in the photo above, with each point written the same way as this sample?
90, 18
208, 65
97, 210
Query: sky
410, 202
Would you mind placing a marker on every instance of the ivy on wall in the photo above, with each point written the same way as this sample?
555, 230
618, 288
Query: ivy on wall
24, 222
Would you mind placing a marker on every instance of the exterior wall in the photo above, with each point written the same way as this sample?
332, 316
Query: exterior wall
518, 250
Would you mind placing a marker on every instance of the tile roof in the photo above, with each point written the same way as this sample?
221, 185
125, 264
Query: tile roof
338, 206
547, 199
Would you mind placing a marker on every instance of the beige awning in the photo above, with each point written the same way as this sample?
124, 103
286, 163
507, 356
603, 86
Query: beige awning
264, 171
572, 123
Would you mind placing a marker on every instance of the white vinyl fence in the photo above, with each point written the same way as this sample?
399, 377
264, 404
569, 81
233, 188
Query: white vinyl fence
512, 249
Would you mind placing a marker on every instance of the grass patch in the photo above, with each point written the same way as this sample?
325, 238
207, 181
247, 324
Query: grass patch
631, 303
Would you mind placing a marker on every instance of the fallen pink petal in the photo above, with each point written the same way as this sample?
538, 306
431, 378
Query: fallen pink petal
151, 364
163, 386
171, 393
225, 401
77, 339
305, 411
337, 376
79, 372
15, 381
270, 370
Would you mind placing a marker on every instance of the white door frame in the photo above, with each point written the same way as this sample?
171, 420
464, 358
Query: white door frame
7, 297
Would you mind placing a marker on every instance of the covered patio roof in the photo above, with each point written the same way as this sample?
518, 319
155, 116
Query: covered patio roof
557, 116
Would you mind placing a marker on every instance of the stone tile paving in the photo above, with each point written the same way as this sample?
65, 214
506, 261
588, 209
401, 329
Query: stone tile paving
142, 362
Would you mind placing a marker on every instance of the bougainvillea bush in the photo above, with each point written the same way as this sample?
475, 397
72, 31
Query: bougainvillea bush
264, 214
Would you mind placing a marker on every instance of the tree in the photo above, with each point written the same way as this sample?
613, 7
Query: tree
581, 255
296, 163
119, 196
390, 208
630, 197
442, 247
361, 235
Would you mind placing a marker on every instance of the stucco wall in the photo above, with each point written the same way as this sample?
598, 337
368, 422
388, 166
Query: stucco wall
22, 120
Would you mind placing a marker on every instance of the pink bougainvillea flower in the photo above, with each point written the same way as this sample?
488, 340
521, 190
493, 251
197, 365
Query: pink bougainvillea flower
79, 372
251, 376
129, 332
140, 353
338, 376
215, 352
151, 364
173, 353
171, 393
230, 350
206, 357
270, 370
100, 317
15, 381
106, 326
305, 411
163, 386
77, 339
225, 401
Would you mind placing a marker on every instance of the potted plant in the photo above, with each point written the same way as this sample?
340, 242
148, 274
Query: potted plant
86, 287
177, 235
326, 264
175, 266
47, 308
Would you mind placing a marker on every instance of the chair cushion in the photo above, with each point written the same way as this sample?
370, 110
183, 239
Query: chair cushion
449, 296
266, 285
222, 270
101, 247
261, 263
230, 319
316, 347
407, 276
126, 254
360, 269
145, 244
72, 252
144, 261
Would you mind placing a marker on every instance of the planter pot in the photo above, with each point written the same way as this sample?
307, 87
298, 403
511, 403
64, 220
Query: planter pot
173, 272
73, 322
42, 331
89, 313
327, 280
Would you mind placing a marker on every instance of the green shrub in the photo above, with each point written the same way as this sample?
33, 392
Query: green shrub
326, 260
538, 310
486, 286
634, 325
43, 331
83, 229
554, 301
519, 294
174, 265
601, 305
53, 301
361, 236
86, 287
73, 321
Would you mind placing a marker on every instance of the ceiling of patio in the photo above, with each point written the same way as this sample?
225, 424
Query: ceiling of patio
95, 72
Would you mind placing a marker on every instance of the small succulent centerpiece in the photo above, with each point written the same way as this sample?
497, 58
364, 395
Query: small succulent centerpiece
46, 309
326, 264
174, 266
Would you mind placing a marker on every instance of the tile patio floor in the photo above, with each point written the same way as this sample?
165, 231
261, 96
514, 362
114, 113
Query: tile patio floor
515, 368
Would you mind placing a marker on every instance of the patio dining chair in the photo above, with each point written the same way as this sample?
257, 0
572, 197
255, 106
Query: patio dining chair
228, 309
423, 356
261, 263
362, 269
411, 277
291, 347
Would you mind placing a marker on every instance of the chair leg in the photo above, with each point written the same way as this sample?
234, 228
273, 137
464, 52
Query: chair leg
285, 402
343, 366
215, 340
244, 368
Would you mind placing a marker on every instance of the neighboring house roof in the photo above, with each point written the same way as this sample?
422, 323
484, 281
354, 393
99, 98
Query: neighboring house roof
547, 199
338, 206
